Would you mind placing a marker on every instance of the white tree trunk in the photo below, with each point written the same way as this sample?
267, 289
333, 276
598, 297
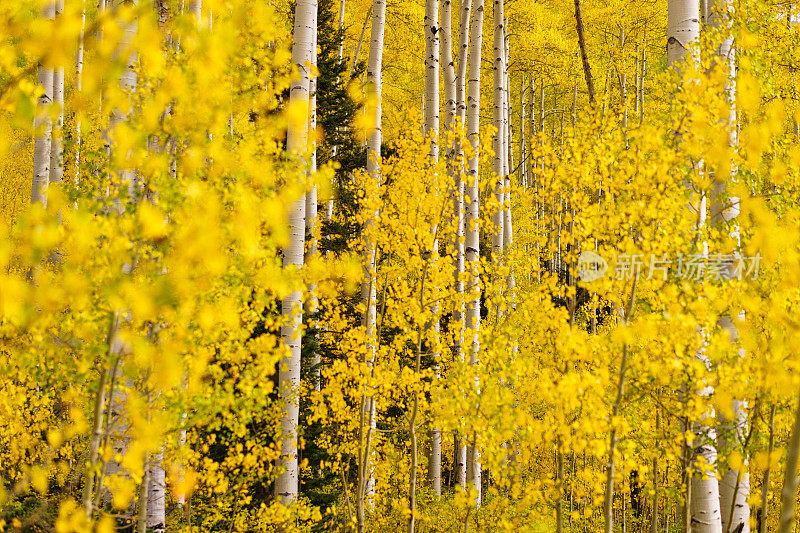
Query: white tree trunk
312, 302
56, 134
128, 81
43, 126
790, 479
683, 28
705, 507
472, 254
431, 131
498, 120
79, 88
374, 140
734, 486
623, 80
156, 502
523, 163
509, 151
460, 456
642, 78
286, 485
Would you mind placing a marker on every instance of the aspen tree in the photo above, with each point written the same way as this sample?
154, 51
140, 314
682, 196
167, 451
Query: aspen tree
683, 29
340, 26
765, 481
156, 507
460, 448
472, 223
42, 124
522, 177
286, 485
431, 117
312, 301
508, 152
642, 74
56, 134
623, 79
498, 120
734, 485
790, 478
79, 87
357, 49
368, 287
587, 69
117, 425
608, 501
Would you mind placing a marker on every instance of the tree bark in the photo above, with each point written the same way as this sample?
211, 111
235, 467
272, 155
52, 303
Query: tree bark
368, 290
56, 134
654, 515
683, 28
472, 223
762, 522
790, 479
734, 486
42, 125
312, 301
498, 120
286, 485
460, 452
156, 501
431, 30
609, 493
587, 69
79, 88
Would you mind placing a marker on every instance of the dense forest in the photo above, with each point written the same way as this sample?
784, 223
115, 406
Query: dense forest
423, 266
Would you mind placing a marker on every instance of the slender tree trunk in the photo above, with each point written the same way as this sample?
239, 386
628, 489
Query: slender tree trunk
312, 301
286, 485
636, 81
703, 505
734, 486
642, 74
368, 294
623, 80
683, 28
762, 522
42, 125
340, 27
473, 217
609, 494
508, 233
141, 515
498, 120
587, 70
790, 479
56, 134
559, 488
654, 516
460, 459
97, 423
431, 116
522, 177
79, 88
156, 501
357, 50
